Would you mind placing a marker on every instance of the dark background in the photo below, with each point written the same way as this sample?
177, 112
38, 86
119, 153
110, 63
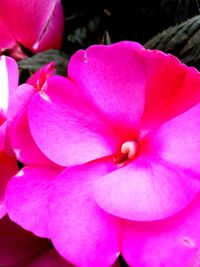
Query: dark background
130, 20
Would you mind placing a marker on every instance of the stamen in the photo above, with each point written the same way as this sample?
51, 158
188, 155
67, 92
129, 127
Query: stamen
127, 152
129, 148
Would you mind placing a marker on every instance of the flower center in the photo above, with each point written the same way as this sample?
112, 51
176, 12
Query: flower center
126, 153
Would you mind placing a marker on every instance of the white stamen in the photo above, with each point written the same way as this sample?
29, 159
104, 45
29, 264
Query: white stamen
130, 148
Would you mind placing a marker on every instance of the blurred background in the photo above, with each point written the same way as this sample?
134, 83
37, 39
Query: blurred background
106, 22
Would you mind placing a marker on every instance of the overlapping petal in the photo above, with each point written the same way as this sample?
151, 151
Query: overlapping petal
171, 87
84, 133
8, 168
53, 33
27, 197
177, 141
23, 144
113, 78
37, 15
146, 190
9, 82
7, 39
18, 132
164, 177
171, 242
39, 78
82, 232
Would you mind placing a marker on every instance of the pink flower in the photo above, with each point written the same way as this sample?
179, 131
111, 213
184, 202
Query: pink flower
8, 83
34, 195
18, 130
126, 123
44, 19
21, 248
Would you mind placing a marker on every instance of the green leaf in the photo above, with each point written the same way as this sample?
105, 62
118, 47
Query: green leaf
30, 65
181, 40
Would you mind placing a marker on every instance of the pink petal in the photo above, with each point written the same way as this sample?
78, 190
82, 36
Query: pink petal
39, 78
178, 141
9, 82
172, 87
20, 100
76, 131
18, 133
52, 37
17, 244
24, 93
23, 15
170, 242
113, 79
27, 197
80, 231
23, 144
8, 167
18, 105
146, 189
3, 127
7, 39
2, 117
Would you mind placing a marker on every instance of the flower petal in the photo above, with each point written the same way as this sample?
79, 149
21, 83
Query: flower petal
39, 78
146, 190
178, 140
117, 85
19, 100
23, 15
27, 197
8, 167
3, 127
79, 229
76, 131
18, 134
23, 144
18, 104
52, 37
171, 242
7, 39
171, 87
9, 82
